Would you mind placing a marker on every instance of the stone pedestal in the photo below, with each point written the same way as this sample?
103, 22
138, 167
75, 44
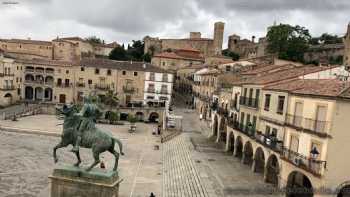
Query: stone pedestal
72, 181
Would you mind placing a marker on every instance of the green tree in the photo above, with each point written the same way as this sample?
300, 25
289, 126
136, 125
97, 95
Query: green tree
94, 40
330, 39
231, 54
136, 50
113, 117
132, 119
118, 53
288, 42
111, 99
147, 57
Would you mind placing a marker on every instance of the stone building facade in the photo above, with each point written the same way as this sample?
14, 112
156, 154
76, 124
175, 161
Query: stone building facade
64, 49
207, 46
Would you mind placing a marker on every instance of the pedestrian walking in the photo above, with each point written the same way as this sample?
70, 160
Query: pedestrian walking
152, 195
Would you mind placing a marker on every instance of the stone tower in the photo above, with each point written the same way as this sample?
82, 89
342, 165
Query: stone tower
218, 37
346, 41
233, 43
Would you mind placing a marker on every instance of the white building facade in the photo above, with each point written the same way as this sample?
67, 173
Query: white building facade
158, 87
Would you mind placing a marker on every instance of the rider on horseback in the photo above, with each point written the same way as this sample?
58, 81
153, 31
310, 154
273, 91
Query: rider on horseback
88, 119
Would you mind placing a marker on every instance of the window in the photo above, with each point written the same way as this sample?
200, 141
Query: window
97, 71
228, 68
59, 81
19, 91
163, 63
267, 130
280, 104
82, 69
267, 102
135, 73
274, 132
150, 97
67, 71
294, 143
124, 72
109, 72
66, 81
89, 81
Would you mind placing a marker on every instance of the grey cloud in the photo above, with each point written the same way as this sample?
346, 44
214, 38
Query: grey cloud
126, 20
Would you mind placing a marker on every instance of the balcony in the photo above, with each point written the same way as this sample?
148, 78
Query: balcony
249, 102
128, 89
63, 85
271, 142
81, 84
7, 87
164, 92
30, 70
101, 86
320, 128
242, 128
150, 90
311, 165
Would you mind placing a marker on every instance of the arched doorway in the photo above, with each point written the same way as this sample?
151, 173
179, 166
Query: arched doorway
298, 185
48, 94
222, 130
239, 147
272, 170
215, 126
344, 191
231, 142
248, 154
123, 116
259, 159
39, 93
29, 93
153, 117
139, 116
8, 99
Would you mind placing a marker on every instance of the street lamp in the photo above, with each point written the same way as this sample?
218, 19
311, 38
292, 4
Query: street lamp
314, 153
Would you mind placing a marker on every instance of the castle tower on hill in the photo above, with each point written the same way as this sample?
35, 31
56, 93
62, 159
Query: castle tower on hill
218, 37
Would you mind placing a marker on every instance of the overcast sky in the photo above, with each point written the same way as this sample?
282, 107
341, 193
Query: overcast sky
126, 20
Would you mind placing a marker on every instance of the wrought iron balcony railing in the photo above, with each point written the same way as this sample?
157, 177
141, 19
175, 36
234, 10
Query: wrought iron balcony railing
101, 86
249, 102
128, 89
7, 87
315, 126
309, 164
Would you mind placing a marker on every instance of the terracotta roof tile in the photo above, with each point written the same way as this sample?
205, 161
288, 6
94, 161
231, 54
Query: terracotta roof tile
316, 87
120, 65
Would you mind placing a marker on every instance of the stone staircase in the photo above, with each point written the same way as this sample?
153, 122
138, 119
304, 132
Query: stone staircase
168, 135
180, 177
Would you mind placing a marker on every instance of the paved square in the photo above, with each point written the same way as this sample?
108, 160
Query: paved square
26, 160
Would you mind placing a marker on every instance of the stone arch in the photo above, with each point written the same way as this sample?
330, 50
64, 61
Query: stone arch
272, 169
215, 125
230, 142
139, 116
49, 80
259, 158
48, 94
222, 130
248, 153
29, 77
153, 117
29, 93
39, 78
239, 147
344, 190
39, 93
298, 184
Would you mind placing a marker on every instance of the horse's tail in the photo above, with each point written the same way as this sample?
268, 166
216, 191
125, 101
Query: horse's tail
119, 144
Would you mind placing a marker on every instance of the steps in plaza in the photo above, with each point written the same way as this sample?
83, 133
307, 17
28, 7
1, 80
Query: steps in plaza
169, 134
180, 177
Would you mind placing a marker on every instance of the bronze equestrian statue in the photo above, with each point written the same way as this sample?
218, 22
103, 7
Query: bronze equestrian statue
79, 130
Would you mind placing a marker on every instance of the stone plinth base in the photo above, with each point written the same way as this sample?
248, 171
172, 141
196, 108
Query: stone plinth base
71, 181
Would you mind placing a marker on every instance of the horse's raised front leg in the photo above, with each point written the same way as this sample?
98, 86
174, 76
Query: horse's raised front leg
96, 157
116, 155
60, 145
78, 157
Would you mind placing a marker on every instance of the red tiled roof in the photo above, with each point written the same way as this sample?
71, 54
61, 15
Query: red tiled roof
317, 87
174, 55
268, 68
288, 74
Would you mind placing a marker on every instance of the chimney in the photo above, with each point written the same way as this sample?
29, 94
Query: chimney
253, 39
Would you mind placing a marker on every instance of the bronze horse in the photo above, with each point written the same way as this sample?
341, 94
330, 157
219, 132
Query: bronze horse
99, 141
